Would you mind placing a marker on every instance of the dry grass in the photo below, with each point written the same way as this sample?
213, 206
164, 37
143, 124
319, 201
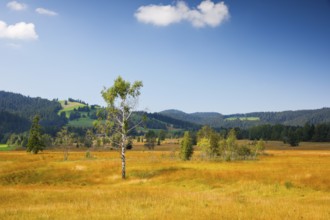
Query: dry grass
285, 184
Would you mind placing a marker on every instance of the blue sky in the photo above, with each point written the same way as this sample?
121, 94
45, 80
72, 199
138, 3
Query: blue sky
233, 57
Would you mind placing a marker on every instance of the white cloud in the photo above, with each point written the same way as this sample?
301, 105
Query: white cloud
44, 11
16, 6
18, 31
207, 13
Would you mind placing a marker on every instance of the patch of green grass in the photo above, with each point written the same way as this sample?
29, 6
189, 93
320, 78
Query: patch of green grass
243, 118
5, 147
69, 107
82, 122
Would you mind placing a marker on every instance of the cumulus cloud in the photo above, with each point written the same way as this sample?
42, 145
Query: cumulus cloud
207, 13
18, 31
44, 11
16, 6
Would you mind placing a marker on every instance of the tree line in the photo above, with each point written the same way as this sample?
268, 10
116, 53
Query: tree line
290, 134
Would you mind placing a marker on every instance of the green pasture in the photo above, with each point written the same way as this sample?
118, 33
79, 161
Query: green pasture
82, 122
69, 107
243, 118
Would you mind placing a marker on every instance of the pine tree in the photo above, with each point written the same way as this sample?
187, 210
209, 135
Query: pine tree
35, 142
186, 147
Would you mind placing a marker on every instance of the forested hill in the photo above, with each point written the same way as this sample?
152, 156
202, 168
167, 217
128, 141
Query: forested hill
293, 118
202, 118
18, 108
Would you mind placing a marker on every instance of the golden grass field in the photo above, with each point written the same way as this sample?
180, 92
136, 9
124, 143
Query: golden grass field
284, 184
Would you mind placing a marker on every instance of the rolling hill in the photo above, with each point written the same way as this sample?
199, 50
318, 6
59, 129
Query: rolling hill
293, 118
18, 110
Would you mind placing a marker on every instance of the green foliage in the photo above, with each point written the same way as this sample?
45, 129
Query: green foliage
65, 139
35, 142
47, 139
121, 90
121, 100
229, 149
186, 149
292, 138
88, 154
89, 137
162, 135
129, 145
150, 137
12, 123
208, 140
213, 145
243, 151
259, 147
161, 121
18, 140
115, 140
16, 112
216, 120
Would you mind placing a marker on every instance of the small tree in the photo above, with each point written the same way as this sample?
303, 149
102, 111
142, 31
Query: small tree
186, 150
65, 139
208, 141
129, 145
293, 138
259, 147
150, 139
35, 142
88, 142
121, 99
229, 146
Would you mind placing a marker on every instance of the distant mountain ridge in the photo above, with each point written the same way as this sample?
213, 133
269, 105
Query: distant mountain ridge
294, 118
16, 112
201, 118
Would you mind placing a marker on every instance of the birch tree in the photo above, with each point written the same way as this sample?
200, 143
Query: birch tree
122, 100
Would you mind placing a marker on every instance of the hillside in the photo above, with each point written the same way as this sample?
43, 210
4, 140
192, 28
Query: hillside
294, 118
12, 123
159, 121
78, 113
19, 111
209, 118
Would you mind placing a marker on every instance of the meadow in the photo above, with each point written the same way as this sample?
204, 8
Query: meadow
69, 107
286, 183
243, 119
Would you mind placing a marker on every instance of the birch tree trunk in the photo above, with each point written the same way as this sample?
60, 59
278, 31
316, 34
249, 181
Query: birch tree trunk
123, 163
123, 158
